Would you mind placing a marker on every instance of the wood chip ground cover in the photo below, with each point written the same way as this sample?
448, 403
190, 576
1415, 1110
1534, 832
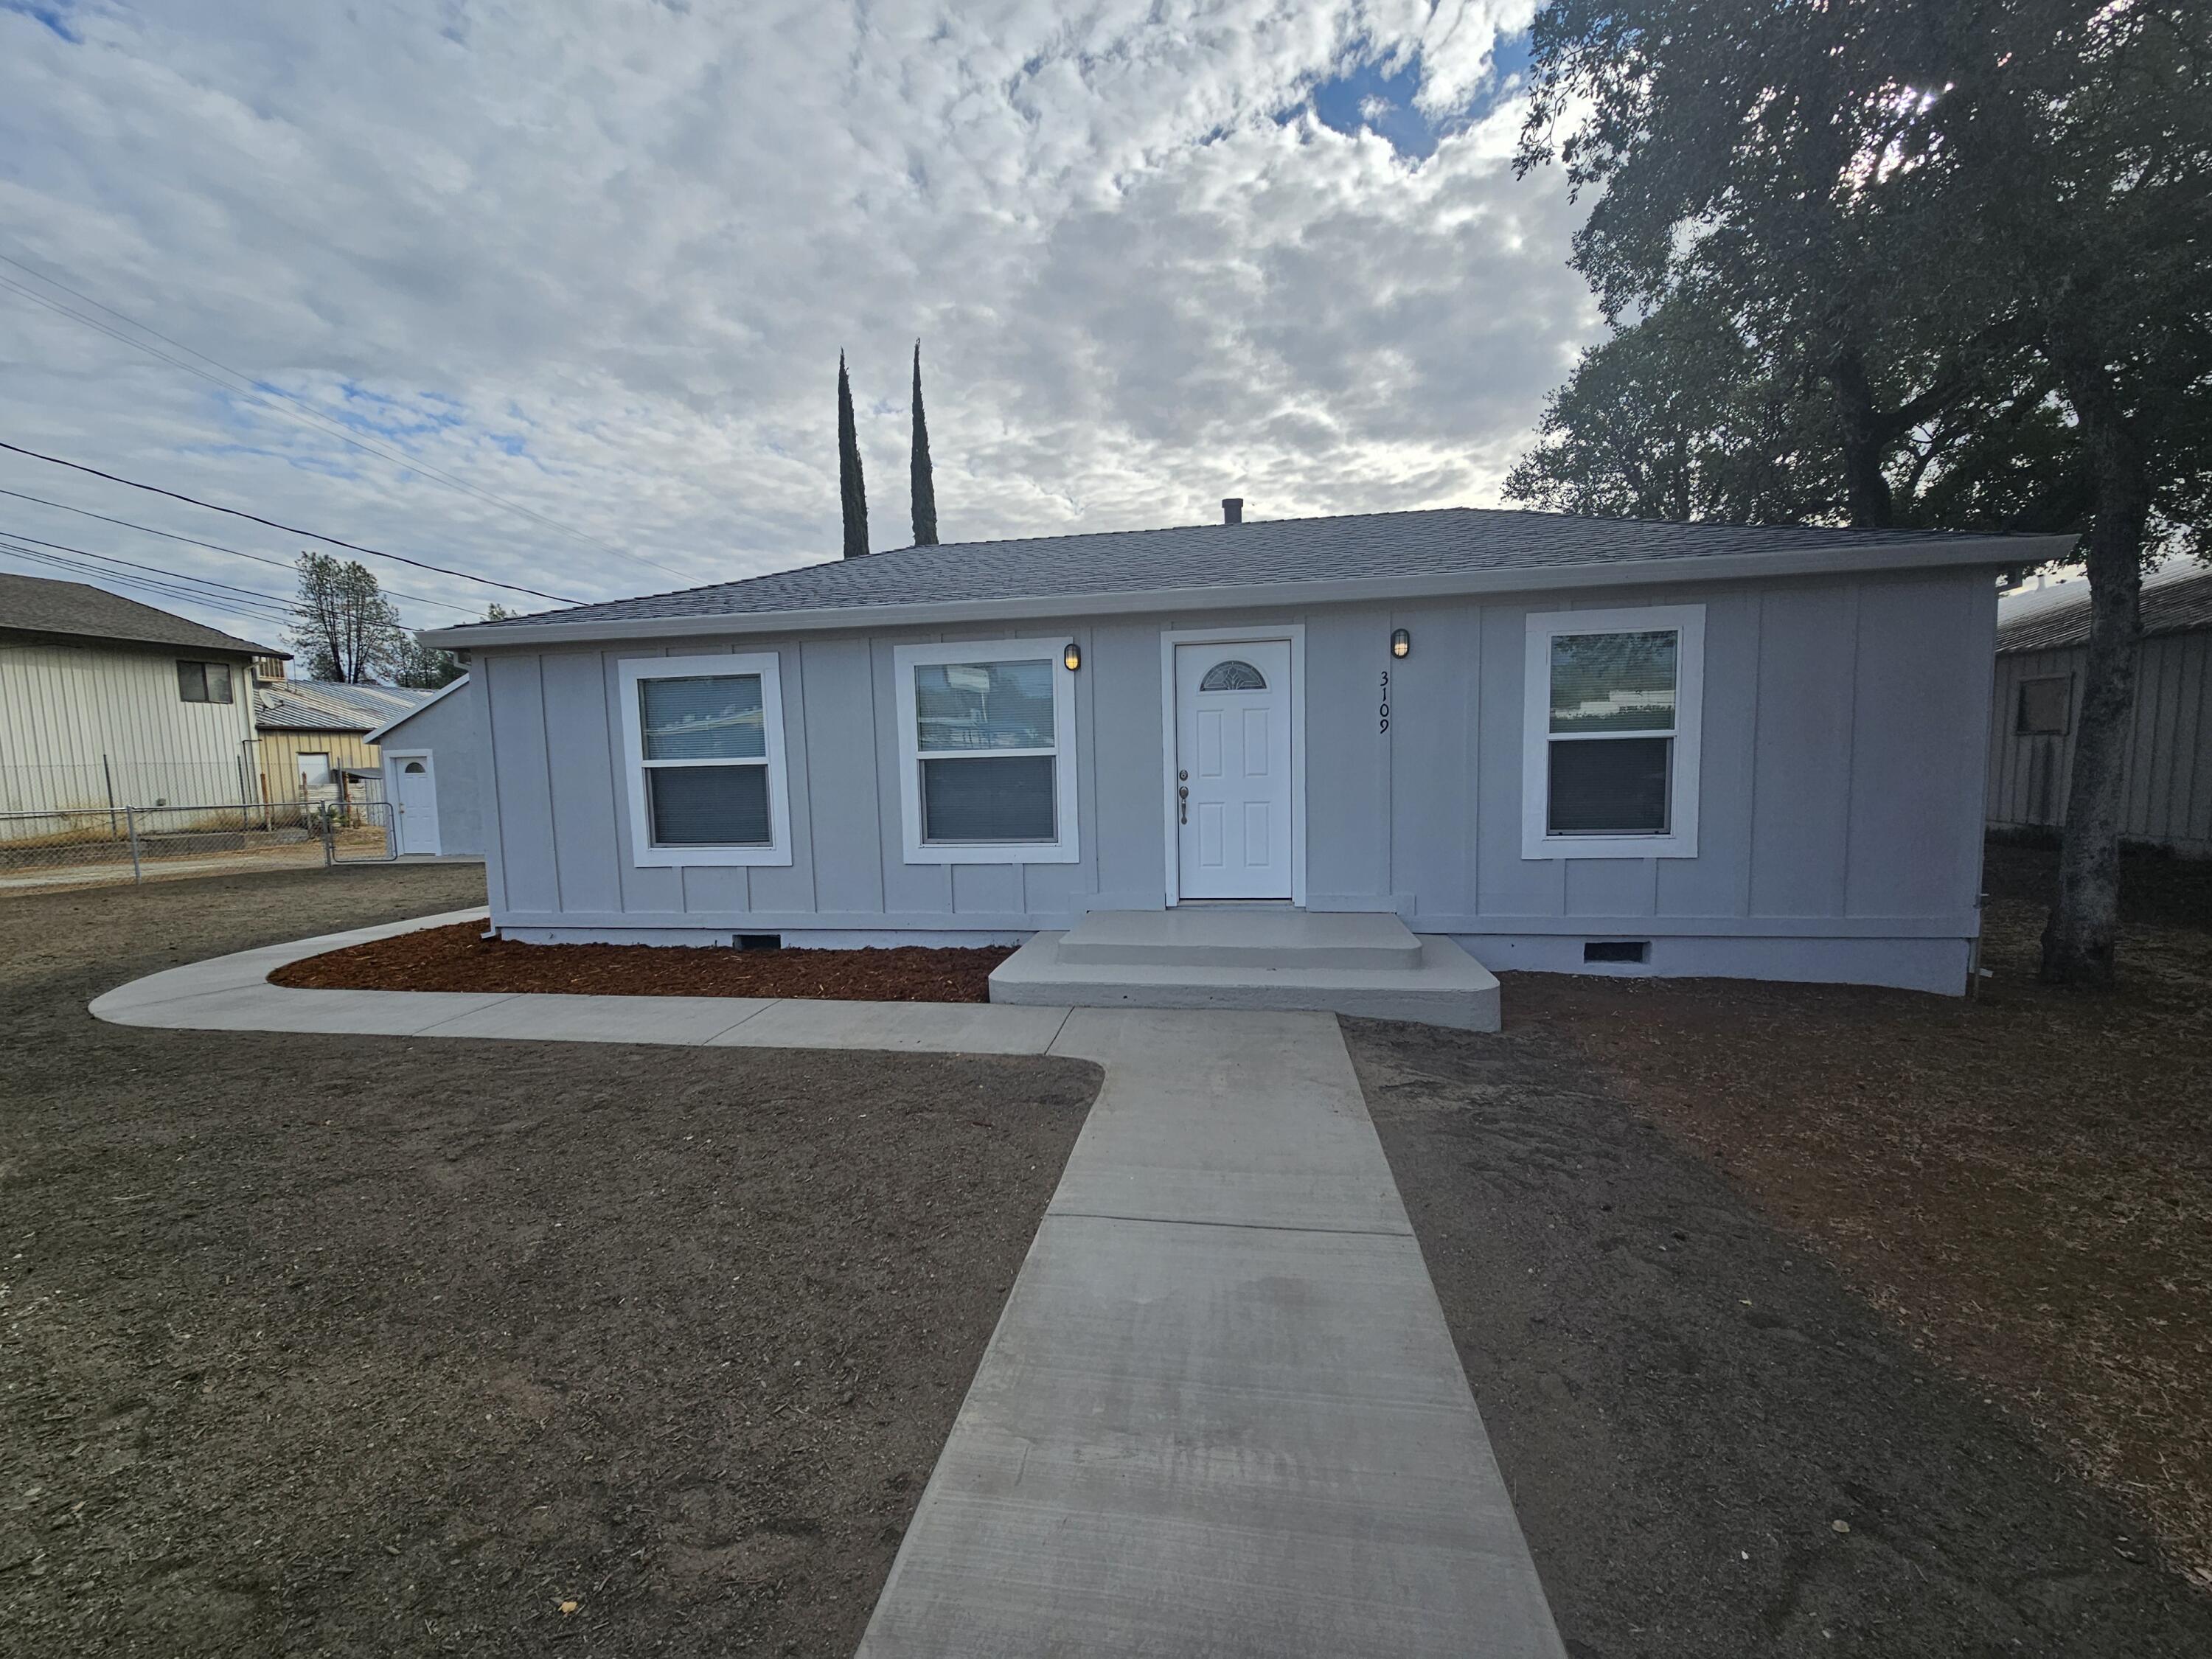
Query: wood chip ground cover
367, 1345
459, 958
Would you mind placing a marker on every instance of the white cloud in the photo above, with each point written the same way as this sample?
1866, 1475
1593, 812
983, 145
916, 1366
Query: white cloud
628, 242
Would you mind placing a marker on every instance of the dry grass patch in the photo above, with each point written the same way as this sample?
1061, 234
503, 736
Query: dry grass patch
2022, 1182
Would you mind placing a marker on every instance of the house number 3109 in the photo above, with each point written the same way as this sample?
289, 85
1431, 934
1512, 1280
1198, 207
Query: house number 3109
1385, 726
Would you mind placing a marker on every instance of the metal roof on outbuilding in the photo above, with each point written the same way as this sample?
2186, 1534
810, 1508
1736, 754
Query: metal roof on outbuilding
330, 706
2176, 599
1440, 542
40, 604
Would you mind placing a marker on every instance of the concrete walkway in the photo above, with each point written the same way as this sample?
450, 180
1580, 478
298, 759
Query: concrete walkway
1221, 1414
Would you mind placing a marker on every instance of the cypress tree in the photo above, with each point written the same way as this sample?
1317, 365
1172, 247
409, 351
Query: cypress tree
924, 483
852, 489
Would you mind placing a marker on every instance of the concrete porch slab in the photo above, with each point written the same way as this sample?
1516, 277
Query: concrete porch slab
1240, 938
1447, 987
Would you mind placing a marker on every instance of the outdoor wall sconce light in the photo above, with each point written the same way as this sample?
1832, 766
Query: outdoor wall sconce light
1072, 657
1401, 643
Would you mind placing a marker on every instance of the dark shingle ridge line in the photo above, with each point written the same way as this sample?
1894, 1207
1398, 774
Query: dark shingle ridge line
903, 559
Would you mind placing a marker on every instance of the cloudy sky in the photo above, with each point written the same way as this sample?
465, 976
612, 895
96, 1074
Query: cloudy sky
598, 262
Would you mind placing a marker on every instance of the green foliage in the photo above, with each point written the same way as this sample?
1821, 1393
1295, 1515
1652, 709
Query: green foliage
925, 480
426, 668
852, 487
344, 628
1679, 416
1847, 246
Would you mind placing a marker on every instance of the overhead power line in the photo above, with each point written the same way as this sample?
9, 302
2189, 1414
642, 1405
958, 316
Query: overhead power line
266, 394
144, 584
289, 530
276, 599
217, 547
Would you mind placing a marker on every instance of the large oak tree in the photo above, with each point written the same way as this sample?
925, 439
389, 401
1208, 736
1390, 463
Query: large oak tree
1883, 261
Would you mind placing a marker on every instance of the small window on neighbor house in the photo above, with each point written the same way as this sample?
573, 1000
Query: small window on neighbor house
705, 741
987, 747
414, 768
203, 682
2044, 705
1233, 676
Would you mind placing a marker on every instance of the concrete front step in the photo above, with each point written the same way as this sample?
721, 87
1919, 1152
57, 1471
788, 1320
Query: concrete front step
1443, 987
1190, 937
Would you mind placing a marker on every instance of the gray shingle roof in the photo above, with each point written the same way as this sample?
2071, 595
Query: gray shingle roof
1444, 541
327, 706
38, 604
2176, 600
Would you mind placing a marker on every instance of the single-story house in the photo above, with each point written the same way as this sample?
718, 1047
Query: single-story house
432, 766
105, 702
1562, 743
2043, 646
315, 736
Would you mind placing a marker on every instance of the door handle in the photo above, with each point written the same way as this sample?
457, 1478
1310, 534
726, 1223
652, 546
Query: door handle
1183, 803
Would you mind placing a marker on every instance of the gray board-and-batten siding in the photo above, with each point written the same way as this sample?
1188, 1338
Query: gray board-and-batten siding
1846, 726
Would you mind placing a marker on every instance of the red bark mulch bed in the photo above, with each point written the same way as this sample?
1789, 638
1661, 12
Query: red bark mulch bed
457, 958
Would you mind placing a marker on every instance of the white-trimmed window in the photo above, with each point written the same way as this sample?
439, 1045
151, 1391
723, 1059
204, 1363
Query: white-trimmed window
704, 742
987, 742
1609, 734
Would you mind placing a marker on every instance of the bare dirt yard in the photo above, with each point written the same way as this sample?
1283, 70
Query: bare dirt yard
460, 958
366, 1345
1814, 1320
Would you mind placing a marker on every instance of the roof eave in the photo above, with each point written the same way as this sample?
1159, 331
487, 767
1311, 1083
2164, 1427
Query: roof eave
1993, 555
246, 650
376, 734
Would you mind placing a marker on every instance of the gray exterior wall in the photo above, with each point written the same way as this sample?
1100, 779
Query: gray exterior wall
451, 729
2169, 768
1844, 737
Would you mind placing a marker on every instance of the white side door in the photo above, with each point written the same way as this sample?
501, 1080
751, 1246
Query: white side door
1233, 769
414, 801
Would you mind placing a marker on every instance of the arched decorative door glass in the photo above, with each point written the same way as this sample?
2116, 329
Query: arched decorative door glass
1235, 675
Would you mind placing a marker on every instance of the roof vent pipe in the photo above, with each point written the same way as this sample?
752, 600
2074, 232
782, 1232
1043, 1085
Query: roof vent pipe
1232, 509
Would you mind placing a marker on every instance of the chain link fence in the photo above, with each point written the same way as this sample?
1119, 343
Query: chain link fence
93, 846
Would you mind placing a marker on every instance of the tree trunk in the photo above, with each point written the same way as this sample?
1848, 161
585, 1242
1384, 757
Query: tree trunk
1866, 444
2079, 940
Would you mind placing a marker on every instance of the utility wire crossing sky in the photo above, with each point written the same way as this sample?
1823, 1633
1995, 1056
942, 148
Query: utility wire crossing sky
555, 299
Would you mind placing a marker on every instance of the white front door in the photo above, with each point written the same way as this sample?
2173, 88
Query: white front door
1233, 769
415, 802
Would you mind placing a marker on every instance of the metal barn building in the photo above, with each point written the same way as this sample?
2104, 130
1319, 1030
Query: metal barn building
2043, 644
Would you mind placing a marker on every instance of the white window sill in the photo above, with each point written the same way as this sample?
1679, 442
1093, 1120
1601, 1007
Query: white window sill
1011, 852
1610, 847
668, 858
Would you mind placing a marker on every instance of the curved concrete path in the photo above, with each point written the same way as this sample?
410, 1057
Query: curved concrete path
1221, 1413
